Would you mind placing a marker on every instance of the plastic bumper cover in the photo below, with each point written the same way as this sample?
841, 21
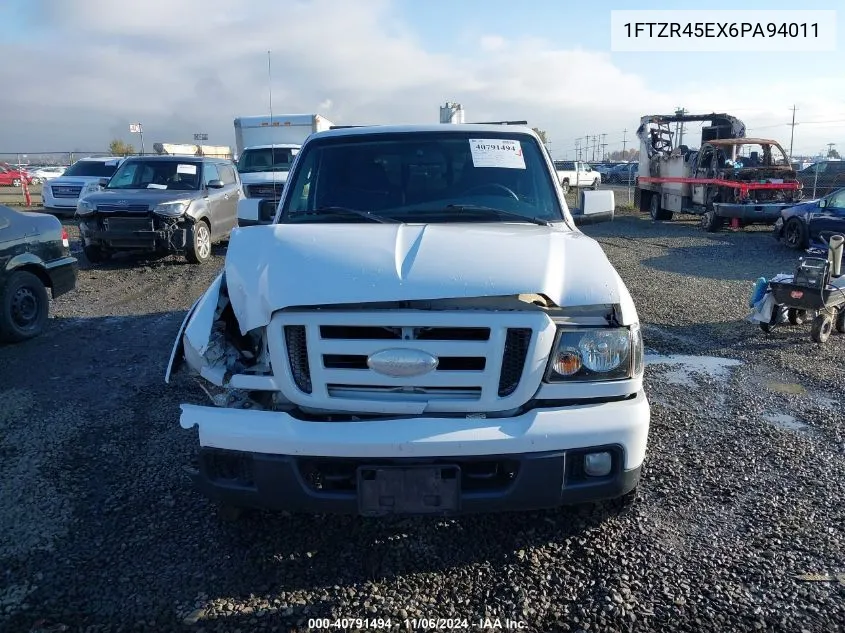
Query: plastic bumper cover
269, 460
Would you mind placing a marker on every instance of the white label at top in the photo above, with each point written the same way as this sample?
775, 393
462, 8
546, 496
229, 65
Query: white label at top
496, 152
186, 169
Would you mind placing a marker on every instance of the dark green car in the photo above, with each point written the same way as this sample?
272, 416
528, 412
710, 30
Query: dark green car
34, 256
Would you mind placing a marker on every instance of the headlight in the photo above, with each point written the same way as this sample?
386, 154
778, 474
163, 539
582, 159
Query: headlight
172, 209
590, 354
83, 207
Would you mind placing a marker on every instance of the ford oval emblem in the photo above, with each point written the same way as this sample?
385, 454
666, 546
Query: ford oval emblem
402, 363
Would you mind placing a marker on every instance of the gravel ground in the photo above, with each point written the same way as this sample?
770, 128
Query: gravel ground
742, 489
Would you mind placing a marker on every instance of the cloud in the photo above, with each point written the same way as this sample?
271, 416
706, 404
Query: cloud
193, 65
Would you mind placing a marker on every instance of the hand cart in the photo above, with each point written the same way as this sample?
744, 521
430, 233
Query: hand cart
810, 294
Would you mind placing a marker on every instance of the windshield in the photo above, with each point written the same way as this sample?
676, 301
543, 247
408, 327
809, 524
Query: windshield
424, 177
266, 159
157, 174
96, 168
756, 155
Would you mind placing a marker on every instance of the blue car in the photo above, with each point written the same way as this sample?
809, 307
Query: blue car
811, 223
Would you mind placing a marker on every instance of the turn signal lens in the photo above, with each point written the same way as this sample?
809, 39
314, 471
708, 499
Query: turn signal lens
567, 362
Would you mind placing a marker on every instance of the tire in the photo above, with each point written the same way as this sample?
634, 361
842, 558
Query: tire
199, 243
595, 184
94, 254
711, 222
16, 182
565, 186
822, 326
657, 213
24, 307
796, 316
840, 320
795, 234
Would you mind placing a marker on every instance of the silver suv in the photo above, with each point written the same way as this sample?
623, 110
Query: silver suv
176, 204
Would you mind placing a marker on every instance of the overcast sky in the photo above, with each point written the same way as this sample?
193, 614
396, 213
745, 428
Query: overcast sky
75, 73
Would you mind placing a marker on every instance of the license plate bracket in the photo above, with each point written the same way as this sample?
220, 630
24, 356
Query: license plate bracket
384, 490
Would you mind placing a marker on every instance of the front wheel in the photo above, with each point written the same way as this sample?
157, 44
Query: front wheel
16, 182
795, 234
657, 212
595, 184
822, 326
199, 243
23, 307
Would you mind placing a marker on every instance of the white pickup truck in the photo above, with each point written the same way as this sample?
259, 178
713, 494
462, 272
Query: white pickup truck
574, 173
422, 328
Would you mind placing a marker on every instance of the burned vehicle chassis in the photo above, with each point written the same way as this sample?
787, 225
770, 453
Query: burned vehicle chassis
712, 182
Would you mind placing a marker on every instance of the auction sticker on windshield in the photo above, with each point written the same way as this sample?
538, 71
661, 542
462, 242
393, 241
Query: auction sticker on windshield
496, 152
186, 169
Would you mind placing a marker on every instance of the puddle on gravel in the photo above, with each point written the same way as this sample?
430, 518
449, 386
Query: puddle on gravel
685, 366
785, 421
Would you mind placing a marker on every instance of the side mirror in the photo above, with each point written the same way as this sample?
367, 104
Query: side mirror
822, 203
215, 184
596, 206
252, 211
103, 182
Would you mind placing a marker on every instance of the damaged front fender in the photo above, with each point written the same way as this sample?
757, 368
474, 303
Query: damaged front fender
196, 327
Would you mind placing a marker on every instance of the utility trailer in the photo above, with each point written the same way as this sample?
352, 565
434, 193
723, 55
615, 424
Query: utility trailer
729, 177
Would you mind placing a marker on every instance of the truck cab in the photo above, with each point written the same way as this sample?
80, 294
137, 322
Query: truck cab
575, 173
421, 328
266, 147
263, 170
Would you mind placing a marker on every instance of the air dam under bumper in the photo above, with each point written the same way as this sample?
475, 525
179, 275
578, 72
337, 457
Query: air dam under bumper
532, 461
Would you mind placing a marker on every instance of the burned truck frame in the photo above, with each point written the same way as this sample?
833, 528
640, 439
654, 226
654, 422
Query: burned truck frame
731, 176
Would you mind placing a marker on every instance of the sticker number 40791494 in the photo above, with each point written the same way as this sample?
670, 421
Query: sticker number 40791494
496, 152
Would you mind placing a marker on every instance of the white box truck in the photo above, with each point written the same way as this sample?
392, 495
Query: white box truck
266, 147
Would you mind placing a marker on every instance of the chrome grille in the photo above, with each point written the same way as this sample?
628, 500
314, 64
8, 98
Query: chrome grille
65, 191
478, 369
264, 190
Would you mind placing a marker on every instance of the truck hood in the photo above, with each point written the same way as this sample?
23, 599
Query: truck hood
271, 267
73, 181
149, 197
260, 177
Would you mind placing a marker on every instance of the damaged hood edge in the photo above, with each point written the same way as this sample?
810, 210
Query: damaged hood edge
272, 267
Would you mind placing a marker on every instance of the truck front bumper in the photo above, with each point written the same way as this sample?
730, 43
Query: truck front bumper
150, 234
536, 460
764, 213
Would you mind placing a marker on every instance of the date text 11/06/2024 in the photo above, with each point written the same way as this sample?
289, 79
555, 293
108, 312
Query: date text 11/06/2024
417, 624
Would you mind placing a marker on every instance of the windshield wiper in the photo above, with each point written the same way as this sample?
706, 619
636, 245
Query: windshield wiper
499, 212
369, 215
